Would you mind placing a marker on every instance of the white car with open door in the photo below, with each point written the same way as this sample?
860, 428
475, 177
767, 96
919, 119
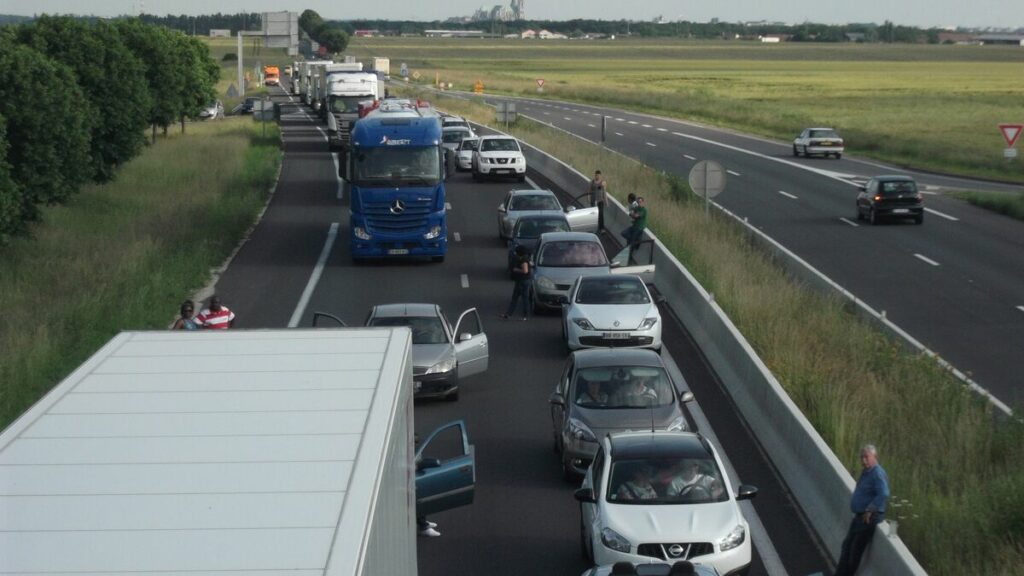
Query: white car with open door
535, 202
442, 356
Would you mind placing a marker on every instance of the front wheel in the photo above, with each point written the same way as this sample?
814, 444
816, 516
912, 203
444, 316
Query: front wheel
873, 217
521, 178
919, 219
796, 152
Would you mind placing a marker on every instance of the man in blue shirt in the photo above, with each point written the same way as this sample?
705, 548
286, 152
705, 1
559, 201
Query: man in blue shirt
868, 507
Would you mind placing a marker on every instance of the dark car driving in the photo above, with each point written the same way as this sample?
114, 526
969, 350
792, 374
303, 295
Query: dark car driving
890, 197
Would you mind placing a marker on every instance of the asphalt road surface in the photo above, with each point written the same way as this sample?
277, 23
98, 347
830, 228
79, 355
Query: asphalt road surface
524, 517
956, 283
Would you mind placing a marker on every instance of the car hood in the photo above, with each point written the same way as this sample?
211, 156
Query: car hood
426, 355
500, 153
605, 316
568, 275
610, 420
668, 523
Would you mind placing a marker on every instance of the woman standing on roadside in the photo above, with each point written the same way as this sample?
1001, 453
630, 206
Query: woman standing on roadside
186, 321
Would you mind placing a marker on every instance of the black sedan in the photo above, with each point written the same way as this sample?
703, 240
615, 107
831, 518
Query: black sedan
890, 197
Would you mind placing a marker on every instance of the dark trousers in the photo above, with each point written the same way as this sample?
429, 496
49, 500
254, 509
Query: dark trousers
632, 235
521, 293
600, 216
856, 541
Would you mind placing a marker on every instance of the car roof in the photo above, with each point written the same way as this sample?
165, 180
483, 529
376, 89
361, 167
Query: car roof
894, 178
497, 137
568, 236
456, 129
616, 357
532, 192
821, 128
653, 445
407, 309
544, 216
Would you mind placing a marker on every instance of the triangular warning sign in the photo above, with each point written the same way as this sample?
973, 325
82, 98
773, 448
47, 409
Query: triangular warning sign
1010, 133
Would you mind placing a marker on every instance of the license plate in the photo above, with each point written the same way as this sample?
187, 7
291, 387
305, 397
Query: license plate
900, 211
615, 335
398, 251
825, 143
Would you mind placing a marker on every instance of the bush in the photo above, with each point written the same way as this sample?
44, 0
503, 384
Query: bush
230, 57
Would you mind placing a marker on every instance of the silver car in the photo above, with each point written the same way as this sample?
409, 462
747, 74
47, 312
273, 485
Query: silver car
452, 137
518, 203
823, 142
611, 311
605, 391
464, 157
441, 356
560, 259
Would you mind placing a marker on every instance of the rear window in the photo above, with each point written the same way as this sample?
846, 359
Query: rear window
532, 228
824, 134
425, 329
451, 136
534, 202
469, 144
898, 187
499, 145
572, 254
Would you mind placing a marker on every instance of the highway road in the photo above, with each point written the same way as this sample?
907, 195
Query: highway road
956, 283
524, 517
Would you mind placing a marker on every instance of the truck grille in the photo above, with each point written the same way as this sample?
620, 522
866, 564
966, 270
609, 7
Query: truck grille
413, 218
344, 129
681, 551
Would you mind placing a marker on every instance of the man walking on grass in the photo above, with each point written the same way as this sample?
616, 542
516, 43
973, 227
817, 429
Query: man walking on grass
868, 507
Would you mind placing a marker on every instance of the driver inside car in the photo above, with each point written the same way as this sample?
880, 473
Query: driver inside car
687, 481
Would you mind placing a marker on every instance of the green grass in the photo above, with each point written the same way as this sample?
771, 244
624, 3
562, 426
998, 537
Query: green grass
961, 469
1011, 205
931, 107
122, 256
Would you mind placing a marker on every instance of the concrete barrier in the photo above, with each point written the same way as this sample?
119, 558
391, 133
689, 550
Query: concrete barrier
816, 478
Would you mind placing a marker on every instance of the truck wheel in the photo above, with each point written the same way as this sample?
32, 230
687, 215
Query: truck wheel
437, 258
453, 397
521, 178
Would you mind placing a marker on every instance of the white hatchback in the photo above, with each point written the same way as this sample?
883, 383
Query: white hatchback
499, 156
662, 496
614, 310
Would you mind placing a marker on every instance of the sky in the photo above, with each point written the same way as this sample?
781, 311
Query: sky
924, 13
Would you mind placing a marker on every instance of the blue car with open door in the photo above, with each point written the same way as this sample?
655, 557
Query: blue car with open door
445, 470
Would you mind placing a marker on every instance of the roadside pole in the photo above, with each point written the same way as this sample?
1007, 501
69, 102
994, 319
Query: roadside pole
241, 84
604, 128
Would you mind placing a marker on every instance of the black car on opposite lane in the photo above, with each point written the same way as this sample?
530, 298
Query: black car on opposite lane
890, 197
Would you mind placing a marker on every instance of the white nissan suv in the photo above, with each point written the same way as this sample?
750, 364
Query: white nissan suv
662, 496
498, 155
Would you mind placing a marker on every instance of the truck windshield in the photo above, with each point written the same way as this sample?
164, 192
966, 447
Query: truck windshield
346, 104
388, 165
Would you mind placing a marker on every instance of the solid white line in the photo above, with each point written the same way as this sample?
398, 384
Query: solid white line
337, 175
531, 183
464, 278
926, 259
662, 129
314, 278
734, 173
688, 157
651, 145
788, 195
1021, 308
458, 237
940, 214
618, 133
680, 134
850, 222
928, 193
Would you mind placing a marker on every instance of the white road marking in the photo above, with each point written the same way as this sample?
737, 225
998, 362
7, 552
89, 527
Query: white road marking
620, 119
928, 193
662, 129
680, 134
942, 215
337, 174
926, 259
465, 280
591, 125
532, 183
646, 125
633, 122
850, 222
547, 113
567, 118
651, 145
618, 133
447, 206
734, 173
458, 237
1021, 308
788, 195
314, 278
688, 157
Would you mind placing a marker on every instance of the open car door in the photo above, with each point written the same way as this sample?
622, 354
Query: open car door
470, 344
445, 483
636, 259
582, 219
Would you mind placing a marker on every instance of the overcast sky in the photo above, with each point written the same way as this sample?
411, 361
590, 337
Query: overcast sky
925, 13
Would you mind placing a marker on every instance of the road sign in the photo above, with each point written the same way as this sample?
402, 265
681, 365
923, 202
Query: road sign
707, 179
540, 84
404, 70
415, 75
478, 87
1010, 133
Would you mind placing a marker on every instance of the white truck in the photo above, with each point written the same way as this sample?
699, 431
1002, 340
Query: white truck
343, 92
245, 452
381, 67
304, 81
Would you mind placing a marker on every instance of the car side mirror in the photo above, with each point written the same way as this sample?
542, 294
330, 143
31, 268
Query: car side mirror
465, 336
570, 209
501, 208
686, 397
585, 495
426, 463
746, 492
556, 399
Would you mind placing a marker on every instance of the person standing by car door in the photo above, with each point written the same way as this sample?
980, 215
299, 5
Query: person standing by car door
868, 506
598, 197
521, 275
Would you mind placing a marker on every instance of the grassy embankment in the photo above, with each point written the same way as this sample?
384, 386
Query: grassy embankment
931, 107
1011, 205
122, 256
962, 471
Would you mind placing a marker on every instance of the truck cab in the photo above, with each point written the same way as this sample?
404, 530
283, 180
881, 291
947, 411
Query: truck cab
271, 76
395, 173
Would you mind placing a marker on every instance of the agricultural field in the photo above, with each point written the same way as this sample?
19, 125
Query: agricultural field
934, 107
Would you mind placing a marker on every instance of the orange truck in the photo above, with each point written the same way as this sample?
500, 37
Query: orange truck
271, 76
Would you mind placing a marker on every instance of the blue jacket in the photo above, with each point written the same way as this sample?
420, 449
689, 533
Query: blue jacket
871, 493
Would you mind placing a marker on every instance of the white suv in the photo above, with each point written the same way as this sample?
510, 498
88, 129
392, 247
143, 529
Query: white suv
498, 156
662, 496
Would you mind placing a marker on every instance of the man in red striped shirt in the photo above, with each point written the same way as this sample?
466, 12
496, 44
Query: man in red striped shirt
216, 316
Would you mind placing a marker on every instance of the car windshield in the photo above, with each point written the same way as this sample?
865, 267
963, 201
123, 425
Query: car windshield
612, 290
823, 134
468, 144
898, 187
572, 254
534, 202
667, 480
452, 136
385, 165
533, 227
618, 387
499, 145
425, 329
346, 104
448, 123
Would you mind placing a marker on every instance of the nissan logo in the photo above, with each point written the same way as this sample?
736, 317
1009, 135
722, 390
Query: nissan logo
616, 324
676, 550
397, 207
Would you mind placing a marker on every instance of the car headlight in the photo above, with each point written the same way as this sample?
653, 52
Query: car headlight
677, 425
446, 365
361, 233
583, 323
734, 539
433, 233
545, 282
612, 539
648, 323
580, 431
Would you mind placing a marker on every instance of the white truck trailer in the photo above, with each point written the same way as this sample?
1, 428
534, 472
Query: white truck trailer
345, 91
304, 81
381, 67
325, 75
266, 452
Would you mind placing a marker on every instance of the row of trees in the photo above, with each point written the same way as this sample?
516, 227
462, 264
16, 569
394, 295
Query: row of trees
332, 36
77, 98
201, 25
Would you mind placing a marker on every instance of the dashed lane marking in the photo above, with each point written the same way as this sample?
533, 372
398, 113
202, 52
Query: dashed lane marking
567, 118
942, 215
458, 237
618, 133
1021, 308
662, 129
646, 125
447, 206
850, 222
734, 173
787, 194
688, 157
651, 144
591, 125
926, 259
464, 278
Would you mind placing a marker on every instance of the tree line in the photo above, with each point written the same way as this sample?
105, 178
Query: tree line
201, 25
77, 98
331, 35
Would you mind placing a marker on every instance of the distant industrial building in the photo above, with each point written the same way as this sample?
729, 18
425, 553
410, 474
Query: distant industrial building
454, 33
220, 33
1012, 39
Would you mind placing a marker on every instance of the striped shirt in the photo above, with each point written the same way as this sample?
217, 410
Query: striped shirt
213, 320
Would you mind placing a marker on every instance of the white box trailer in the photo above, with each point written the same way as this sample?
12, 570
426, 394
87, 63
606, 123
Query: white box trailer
271, 452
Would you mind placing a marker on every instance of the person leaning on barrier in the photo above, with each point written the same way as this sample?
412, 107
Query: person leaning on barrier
868, 506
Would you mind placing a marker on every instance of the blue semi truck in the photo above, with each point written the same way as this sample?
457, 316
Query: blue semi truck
396, 171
